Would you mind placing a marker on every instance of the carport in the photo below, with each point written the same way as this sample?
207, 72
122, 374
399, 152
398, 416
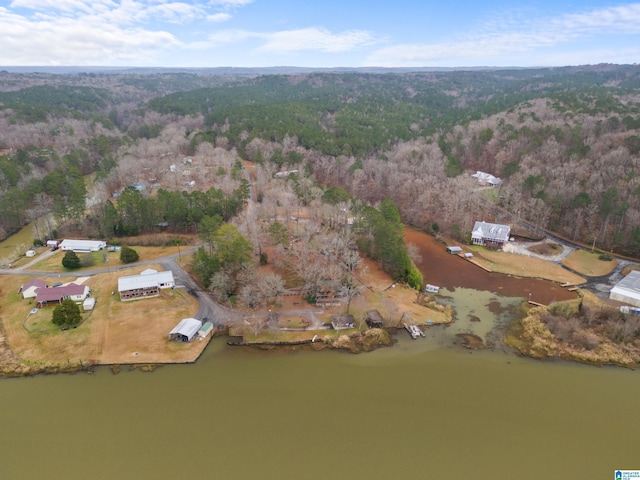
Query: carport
185, 330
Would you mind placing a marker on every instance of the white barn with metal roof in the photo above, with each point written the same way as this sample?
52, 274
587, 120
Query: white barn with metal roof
490, 234
147, 284
185, 330
627, 290
82, 245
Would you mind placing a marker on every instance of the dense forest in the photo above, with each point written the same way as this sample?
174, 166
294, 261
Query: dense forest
119, 154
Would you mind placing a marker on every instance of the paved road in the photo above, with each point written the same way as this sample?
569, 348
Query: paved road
210, 310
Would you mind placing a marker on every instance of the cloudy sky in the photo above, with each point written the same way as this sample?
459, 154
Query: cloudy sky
346, 33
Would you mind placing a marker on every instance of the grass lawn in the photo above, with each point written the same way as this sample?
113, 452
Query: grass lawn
114, 332
589, 263
522, 266
102, 259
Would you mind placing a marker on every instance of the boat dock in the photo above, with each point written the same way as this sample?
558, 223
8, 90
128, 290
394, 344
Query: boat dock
414, 331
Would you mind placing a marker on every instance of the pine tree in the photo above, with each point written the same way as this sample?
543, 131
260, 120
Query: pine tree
71, 261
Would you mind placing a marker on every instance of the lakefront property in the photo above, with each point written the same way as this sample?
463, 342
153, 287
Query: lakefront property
146, 284
491, 235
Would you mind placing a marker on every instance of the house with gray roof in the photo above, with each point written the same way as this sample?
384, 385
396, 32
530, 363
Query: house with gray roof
147, 284
487, 179
492, 235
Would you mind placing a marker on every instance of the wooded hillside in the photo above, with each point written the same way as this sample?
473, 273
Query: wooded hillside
565, 142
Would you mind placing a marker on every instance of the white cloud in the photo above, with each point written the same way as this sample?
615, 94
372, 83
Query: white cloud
218, 17
173, 12
291, 41
516, 38
63, 5
87, 40
318, 39
624, 18
230, 3
230, 36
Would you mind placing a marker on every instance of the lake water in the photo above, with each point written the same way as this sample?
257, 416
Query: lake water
422, 409
417, 410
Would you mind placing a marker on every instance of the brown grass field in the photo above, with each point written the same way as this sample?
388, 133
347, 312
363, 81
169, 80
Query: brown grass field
114, 332
589, 263
513, 264
102, 259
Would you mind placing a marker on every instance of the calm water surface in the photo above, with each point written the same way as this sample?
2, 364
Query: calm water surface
421, 409
417, 410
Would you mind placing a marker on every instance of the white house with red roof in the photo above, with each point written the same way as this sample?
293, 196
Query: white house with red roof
29, 289
54, 296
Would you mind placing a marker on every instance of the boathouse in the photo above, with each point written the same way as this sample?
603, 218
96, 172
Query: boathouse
627, 290
454, 249
492, 235
185, 330
374, 319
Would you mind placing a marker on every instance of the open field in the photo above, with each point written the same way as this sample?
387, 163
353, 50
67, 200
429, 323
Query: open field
101, 259
115, 332
514, 264
589, 263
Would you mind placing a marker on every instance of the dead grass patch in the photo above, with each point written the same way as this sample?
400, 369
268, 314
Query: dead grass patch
589, 263
546, 248
103, 259
523, 266
115, 332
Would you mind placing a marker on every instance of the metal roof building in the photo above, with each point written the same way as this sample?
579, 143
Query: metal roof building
82, 245
185, 330
147, 284
205, 330
627, 290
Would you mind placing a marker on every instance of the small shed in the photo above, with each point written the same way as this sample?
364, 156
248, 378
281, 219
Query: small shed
454, 249
30, 253
88, 304
374, 319
185, 330
343, 321
205, 330
53, 243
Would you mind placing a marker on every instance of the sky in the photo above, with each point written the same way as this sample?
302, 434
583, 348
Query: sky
331, 33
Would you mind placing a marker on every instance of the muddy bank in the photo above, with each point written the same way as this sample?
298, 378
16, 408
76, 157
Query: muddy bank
440, 268
366, 341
